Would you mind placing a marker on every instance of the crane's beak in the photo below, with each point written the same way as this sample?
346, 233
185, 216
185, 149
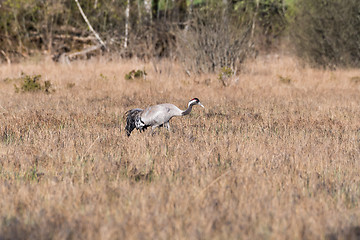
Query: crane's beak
201, 104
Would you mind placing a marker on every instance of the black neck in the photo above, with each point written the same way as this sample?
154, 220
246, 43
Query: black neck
187, 111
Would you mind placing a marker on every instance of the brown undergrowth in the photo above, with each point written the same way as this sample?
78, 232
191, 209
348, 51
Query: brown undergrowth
266, 158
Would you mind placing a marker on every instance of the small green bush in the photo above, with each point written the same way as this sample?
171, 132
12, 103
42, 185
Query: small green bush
70, 85
285, 80
33, 84
128, 76
225, 74
139, 74
104, 77
135, 74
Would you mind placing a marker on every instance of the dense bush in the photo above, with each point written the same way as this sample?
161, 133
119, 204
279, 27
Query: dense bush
33, 84
214, 39
327, 33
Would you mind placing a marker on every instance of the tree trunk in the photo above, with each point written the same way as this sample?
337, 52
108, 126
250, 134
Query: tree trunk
127, 14
139, 11
252, 42
189, 15
148, 8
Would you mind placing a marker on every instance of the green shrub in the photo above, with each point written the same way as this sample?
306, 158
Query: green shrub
285, 80
225, 74
70, 85
135, 74
33, 84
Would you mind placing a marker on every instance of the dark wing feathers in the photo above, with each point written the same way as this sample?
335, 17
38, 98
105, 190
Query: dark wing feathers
131, 117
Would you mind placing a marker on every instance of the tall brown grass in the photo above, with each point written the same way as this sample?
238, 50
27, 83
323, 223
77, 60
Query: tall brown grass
275, 155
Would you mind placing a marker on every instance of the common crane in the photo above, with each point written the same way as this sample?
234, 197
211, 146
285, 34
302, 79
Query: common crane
155, 116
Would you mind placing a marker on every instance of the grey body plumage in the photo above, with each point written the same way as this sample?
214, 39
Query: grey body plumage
155, 116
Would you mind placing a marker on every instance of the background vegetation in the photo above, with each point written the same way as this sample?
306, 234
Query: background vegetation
206, 35
326, 32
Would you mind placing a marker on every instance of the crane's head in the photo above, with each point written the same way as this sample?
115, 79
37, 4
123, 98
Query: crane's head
195, 101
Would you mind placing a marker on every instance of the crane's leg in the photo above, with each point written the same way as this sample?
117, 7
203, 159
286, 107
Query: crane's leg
167, 126
152, 129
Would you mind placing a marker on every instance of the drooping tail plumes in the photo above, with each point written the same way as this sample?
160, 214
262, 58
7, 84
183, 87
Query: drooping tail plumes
132, 116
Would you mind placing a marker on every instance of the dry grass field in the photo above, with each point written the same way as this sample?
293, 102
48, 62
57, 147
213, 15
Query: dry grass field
275, 155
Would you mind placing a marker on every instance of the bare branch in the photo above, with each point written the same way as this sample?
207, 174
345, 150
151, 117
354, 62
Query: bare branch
89, 25
5, 56
85, 51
